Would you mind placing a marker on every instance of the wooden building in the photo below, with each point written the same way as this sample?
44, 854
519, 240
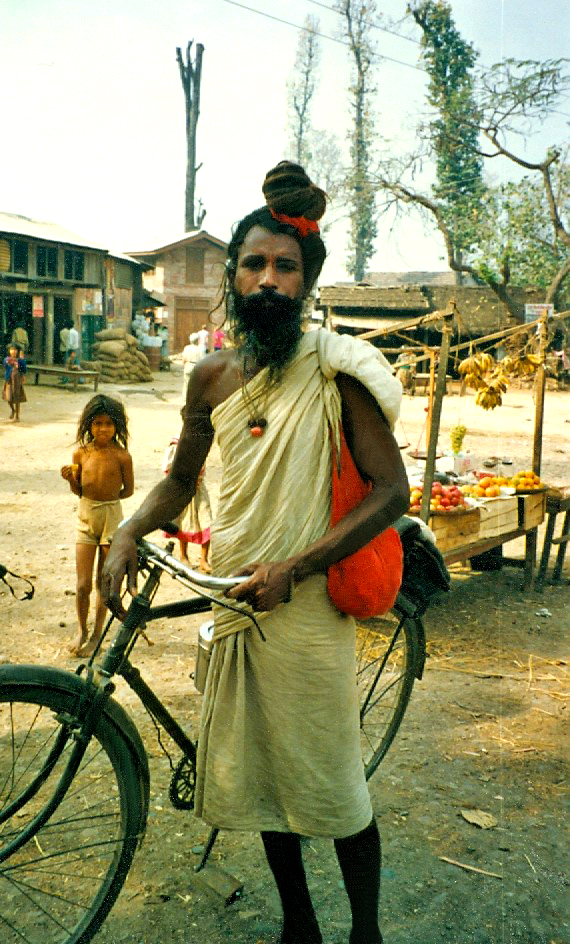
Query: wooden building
186, 275
50, 276
365, 307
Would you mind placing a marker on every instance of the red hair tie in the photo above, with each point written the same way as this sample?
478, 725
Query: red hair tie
300, 223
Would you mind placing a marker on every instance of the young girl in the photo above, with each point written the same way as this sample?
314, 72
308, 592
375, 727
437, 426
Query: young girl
101, 474
194, 522
14, 379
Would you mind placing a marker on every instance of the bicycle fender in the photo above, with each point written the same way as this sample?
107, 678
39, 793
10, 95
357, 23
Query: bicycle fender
42, 676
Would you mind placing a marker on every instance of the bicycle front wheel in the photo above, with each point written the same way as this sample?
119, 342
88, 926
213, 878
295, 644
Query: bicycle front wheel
387, 660
58, 887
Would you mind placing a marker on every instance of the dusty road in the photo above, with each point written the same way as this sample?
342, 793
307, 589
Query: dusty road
487, 727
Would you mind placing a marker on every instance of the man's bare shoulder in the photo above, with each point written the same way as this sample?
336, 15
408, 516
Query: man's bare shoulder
215, 377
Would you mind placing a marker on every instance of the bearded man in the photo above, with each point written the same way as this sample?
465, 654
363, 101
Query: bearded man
279, 744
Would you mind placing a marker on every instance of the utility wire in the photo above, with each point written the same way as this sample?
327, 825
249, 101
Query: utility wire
333, 39
377, 26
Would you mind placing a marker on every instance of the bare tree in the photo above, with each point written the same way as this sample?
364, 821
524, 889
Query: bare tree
301, 88
191, 75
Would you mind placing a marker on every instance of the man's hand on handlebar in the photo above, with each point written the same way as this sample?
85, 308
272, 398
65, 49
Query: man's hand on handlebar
122, 560
270, 584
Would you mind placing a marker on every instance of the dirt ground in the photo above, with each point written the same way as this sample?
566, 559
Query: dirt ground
486, 729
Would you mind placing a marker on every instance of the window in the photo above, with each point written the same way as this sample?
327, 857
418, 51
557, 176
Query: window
195, 266
20, 257
73, 265
46, 261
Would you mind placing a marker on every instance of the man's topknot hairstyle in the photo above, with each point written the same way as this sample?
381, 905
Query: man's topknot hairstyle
287, 189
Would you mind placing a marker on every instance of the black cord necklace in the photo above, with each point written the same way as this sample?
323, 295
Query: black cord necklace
257, 421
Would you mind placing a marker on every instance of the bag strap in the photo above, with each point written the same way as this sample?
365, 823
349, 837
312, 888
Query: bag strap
28, 594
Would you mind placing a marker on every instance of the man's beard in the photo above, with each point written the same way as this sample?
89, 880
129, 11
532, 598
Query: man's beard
267, 327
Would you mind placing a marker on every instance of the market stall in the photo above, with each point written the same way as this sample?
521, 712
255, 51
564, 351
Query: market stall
475, 525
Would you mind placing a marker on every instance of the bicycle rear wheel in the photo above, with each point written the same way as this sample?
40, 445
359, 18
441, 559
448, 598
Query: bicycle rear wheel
60, 885
388, 657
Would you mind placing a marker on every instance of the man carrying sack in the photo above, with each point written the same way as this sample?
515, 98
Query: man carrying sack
279, 745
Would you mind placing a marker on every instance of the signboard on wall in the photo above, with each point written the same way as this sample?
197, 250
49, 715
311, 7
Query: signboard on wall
533, 312
38, 306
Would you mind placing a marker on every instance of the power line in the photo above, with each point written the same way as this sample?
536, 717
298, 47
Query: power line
332, 39
377, 26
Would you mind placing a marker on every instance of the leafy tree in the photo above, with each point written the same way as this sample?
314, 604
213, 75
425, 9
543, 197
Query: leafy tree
533, 253
512, 99
358, 19
449, 61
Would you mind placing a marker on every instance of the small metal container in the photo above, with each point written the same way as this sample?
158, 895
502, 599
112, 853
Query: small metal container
205, 636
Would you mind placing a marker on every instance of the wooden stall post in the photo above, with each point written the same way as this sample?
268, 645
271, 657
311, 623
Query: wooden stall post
440, 387
431, 392
539, 390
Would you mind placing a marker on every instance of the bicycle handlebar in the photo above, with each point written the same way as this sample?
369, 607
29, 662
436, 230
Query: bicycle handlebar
154, 554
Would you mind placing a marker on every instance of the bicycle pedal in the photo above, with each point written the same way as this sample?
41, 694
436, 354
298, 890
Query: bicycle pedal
219, 882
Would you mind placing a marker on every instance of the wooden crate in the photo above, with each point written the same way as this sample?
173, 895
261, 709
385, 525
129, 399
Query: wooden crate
455, 530
532, 509
498, 516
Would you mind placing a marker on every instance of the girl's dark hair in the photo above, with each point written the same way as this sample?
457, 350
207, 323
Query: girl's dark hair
287, 189
95, 407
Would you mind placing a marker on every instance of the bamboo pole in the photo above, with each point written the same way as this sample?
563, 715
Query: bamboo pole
539, 391
440, 386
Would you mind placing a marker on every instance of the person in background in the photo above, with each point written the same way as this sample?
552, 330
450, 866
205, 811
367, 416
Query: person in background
194, 522
279, 744
203, 340
63, 341
219, 336
101, 474
20, 338
14, 378
72, 359
190, 357
163, 332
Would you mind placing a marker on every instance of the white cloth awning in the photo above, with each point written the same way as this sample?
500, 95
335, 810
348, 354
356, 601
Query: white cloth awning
370, 323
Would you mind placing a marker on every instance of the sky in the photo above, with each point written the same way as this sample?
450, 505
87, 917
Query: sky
93, 122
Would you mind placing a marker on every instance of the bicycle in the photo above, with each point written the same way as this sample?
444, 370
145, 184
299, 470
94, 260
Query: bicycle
74, 774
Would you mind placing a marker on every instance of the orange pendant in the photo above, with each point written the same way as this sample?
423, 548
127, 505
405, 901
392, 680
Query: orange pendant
257, 426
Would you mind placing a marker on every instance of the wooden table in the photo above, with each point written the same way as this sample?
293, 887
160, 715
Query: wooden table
509, 518
65, 374
423, 381
555, 505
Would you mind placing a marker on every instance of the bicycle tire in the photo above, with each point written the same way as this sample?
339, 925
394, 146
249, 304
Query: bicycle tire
60, 885
388, 661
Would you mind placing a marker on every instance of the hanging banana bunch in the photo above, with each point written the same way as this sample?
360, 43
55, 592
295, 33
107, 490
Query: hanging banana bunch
491, 395
525, 364
474, 368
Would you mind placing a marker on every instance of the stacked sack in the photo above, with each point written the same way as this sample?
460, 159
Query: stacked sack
118, 357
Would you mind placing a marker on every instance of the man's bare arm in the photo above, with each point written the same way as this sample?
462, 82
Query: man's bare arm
168, 498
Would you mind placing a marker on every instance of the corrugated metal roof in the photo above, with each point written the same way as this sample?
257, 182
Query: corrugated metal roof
15, 225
